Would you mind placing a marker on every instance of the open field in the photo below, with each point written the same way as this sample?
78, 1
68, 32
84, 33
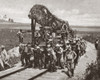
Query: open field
28, 26
14, 26
9, 38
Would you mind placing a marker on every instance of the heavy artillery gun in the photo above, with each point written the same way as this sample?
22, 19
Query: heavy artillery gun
41, 15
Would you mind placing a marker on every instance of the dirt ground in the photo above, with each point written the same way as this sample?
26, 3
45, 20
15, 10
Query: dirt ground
88, 58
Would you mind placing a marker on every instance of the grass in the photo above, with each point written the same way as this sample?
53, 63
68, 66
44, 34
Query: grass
8, 37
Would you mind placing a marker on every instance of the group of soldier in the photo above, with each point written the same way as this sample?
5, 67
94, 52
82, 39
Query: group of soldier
57, 53
53, 56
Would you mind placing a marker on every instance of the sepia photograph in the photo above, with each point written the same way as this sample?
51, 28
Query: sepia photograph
49, 39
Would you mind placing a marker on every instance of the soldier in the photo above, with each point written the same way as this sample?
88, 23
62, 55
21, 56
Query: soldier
40, 57
42, 33
20, 36
64, 32
27, 52
37, 57
4, 58
46, 56
71, 56
59, 54
68, 46
37, 37
73, 45
23, 54
96, 43
1, 64
51, 59
66, 50
78, 51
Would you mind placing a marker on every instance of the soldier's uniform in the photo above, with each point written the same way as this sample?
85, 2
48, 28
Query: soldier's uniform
23, 55
64, 32
66, 51
41, 57
4, 58
52, 59
78, 52
36, 56
42, 33
96, 43
1, 64
59, 54
37, 37
71, 56
27, 52
49, 56
73, 45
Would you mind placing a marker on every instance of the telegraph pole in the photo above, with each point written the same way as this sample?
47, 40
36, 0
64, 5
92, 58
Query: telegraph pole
33, 24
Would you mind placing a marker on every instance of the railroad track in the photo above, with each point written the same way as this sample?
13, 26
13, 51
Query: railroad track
11, 71
22, 74
33, 74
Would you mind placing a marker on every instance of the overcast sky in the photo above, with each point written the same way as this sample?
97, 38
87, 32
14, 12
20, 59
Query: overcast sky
77, 12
